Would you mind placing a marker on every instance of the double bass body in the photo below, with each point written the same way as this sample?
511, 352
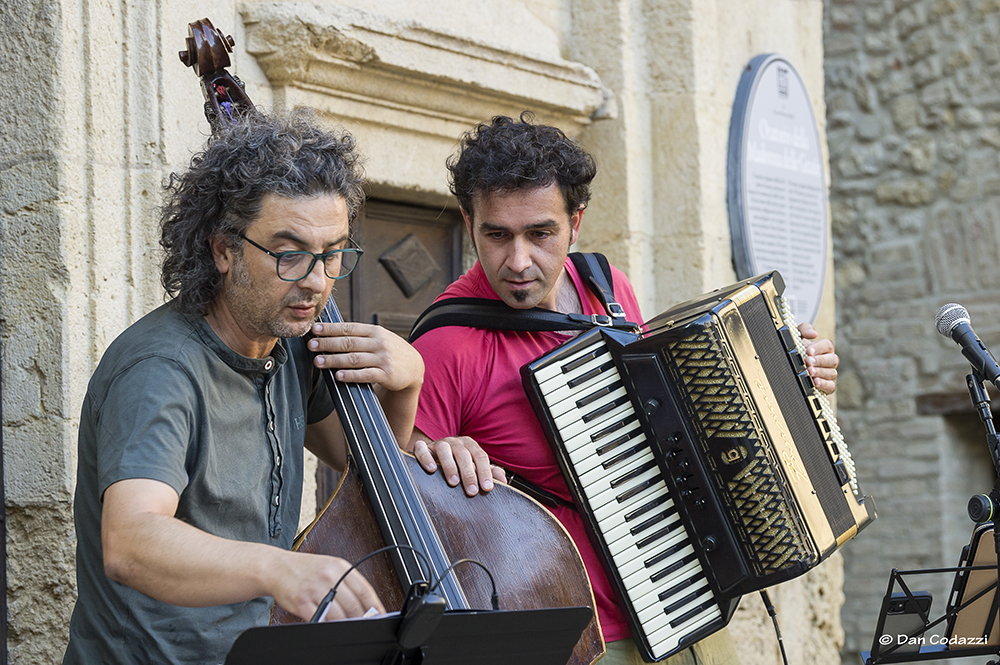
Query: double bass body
530, 555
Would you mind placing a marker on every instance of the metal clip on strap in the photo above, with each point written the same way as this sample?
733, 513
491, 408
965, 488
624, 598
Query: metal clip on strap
616, 310
591, 320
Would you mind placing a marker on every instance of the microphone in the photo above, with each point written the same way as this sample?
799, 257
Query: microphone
953, 321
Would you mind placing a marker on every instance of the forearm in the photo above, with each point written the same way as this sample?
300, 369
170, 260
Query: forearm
400, 408
179, 564
326, 439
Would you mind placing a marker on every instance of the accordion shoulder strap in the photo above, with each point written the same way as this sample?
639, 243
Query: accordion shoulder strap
496, 315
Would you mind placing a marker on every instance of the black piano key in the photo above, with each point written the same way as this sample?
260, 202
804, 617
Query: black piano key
655, 519
625, 455
673, 568
634, 473
657, 536
611, 445
678, 604
690, 614
583, 360
596, 395
646, 507
587, 376
600, 411
612, 428
677, 588
638, 489
665, 554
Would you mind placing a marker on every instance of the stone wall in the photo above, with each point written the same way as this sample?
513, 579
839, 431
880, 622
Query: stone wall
913, 116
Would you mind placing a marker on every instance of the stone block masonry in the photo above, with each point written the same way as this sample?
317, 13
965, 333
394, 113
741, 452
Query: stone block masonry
914, 112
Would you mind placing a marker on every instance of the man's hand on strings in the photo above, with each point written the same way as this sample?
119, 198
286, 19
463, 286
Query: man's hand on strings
364, 353
302, 581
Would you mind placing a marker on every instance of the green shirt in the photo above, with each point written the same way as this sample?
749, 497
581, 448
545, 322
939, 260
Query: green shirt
170, 401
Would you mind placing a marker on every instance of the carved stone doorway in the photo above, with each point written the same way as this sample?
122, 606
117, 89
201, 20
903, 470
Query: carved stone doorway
411, 255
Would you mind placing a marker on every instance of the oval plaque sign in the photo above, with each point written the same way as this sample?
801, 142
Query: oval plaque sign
777, 190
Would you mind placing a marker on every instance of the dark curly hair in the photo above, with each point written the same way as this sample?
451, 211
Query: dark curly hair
507, 155
222, 191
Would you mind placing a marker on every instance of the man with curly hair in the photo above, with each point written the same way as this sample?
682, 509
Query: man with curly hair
193, 427
523, 188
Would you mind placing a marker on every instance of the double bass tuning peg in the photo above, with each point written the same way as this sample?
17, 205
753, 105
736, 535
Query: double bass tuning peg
208, 48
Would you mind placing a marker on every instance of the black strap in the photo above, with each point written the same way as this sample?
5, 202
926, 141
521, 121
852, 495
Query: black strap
537, 492
497, 315
596, 273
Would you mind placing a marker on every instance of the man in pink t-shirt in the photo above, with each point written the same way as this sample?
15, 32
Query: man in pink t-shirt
522, 189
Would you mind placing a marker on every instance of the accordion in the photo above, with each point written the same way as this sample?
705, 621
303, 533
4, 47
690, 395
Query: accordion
703, 461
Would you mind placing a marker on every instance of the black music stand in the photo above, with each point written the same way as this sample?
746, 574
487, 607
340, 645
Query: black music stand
891, 653
499, 637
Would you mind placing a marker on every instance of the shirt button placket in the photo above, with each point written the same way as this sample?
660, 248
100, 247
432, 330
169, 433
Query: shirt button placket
276, 479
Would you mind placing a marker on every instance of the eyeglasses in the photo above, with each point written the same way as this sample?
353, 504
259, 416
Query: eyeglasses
294, 266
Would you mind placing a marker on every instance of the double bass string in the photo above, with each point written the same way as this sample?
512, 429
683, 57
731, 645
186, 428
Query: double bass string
398, 502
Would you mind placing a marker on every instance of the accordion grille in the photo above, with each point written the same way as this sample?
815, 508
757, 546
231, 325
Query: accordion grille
767, 525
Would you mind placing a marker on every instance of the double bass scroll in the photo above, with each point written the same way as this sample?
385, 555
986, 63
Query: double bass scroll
207, 53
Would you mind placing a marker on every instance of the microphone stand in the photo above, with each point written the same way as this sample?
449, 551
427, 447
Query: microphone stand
983, 507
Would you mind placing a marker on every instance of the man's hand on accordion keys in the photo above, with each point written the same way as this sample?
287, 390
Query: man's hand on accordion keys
820, 359
460, 458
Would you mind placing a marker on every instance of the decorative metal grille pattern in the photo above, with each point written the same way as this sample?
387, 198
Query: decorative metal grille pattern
743, 467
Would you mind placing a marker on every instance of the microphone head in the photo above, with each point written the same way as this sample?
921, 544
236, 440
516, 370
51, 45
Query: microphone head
950, 316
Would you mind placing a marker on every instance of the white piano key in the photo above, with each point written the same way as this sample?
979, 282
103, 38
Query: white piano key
586, 458
634, 573
613, 433
587, 410
579, 415
579, 377
604, 514
602, 493
599, 474
666, 639
578, 427
564, 394
555, 369
618, 530
659, 613
634, 565
567, 401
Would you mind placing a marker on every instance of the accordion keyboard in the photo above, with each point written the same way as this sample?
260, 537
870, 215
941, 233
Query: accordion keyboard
631, 504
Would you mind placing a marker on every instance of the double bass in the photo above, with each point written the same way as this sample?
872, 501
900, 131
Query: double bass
386, 500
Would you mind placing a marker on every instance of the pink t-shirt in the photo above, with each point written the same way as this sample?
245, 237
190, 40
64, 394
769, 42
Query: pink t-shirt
472, 387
